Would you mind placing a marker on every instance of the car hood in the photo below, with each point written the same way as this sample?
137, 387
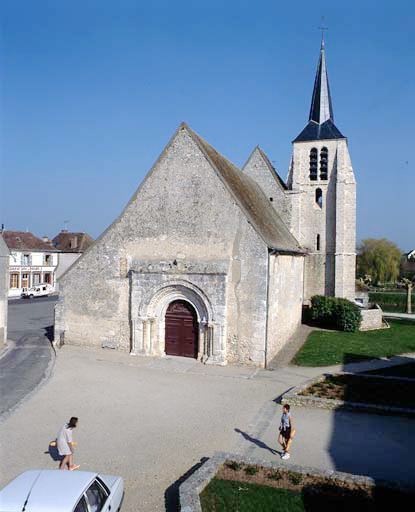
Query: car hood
14, 496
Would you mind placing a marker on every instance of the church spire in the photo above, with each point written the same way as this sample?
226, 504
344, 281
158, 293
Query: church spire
321, 120
321, 108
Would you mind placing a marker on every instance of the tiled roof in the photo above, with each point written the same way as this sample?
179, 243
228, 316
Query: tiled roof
72, 242
25, 241
251, 199
321, 120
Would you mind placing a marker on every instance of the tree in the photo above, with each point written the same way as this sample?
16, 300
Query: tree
380, 259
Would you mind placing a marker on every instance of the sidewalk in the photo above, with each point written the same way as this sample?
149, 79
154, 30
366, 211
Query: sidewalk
386, 314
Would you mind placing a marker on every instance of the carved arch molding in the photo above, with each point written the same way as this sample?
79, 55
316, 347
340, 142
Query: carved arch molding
148, 326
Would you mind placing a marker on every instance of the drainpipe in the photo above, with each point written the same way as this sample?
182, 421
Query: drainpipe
267, 313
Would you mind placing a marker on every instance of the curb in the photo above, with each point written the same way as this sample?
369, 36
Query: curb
191, 488
294, 397
47, 375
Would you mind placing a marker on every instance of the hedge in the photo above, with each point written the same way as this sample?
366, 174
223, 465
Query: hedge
334, 312
391, 299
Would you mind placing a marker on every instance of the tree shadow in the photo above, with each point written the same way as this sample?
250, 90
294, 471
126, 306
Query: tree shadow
257, 442
171, 495
369, 443
322, 497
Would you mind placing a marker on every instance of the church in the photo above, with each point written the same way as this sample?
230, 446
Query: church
213, 262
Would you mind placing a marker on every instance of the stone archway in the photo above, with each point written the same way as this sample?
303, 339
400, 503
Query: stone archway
149, 327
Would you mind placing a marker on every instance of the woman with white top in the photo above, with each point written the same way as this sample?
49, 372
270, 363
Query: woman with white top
66, 444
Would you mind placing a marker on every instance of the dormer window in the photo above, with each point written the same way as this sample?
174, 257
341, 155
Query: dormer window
324, 159
313, 164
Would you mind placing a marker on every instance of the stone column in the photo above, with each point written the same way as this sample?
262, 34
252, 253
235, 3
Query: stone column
138, 347
215, 346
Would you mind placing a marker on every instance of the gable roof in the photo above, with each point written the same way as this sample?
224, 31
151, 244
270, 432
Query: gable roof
271, 168
25, 241
72, 242
250, 198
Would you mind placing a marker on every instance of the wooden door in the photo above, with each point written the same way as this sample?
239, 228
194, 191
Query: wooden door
182, 329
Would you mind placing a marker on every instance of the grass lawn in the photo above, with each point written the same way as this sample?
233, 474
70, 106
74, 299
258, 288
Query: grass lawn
325, 348
230, 496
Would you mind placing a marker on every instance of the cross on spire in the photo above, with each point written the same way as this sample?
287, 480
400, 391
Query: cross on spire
322, 27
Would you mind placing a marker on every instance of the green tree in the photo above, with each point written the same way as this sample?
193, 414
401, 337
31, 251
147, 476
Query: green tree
380, 259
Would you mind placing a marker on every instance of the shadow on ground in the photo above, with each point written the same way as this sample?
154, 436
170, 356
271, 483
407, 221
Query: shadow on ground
50, 332
171, 496
371, 444
255, 441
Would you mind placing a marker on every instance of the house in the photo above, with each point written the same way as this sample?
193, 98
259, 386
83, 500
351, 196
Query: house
70, 247
4, 288
408, 265
32, 261
215, 263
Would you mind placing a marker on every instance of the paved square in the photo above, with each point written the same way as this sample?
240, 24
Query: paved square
150, 420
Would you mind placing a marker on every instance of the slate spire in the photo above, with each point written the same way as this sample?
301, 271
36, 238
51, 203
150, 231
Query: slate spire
321, 120
321, 108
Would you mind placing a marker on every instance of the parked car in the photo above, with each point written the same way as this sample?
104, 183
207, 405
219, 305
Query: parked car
40, 290
48, 490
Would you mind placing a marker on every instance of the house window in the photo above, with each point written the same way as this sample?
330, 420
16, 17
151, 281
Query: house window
313, 164
36, 279
14, 280
319, 197
46, 277
73, 243
25, 281
324, 158
318, 242
48, 259
26, 259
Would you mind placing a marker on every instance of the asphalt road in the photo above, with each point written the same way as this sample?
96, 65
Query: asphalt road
26, 362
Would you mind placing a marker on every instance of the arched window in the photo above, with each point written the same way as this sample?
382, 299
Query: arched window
318, 242
313, 164
324, 159
319, 197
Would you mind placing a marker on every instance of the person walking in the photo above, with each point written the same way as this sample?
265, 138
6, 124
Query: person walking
65, 444
287, 432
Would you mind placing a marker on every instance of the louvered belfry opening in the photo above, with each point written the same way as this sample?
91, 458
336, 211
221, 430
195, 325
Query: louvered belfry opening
313, 164
324, 158
182, 329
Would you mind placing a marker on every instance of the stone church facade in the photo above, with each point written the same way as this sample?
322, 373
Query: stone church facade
213, 262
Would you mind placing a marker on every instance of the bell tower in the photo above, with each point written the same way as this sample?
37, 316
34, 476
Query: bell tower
322, 191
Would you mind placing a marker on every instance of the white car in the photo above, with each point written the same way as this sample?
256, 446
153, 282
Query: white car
40, 290
49, 490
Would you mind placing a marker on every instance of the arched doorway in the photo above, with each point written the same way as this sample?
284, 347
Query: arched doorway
181, 329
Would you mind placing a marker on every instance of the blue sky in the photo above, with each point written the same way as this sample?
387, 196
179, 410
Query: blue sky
92, 91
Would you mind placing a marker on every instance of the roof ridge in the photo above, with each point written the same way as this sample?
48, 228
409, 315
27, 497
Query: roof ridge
272, 224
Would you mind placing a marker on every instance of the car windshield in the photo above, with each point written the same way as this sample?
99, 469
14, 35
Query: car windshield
96, 497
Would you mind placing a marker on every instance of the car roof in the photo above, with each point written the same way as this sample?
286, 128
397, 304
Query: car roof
45, 490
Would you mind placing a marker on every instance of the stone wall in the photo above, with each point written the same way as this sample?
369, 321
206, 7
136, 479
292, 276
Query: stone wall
371, 319
4, 289
181, 221
330, 268
259, 169
285, 300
